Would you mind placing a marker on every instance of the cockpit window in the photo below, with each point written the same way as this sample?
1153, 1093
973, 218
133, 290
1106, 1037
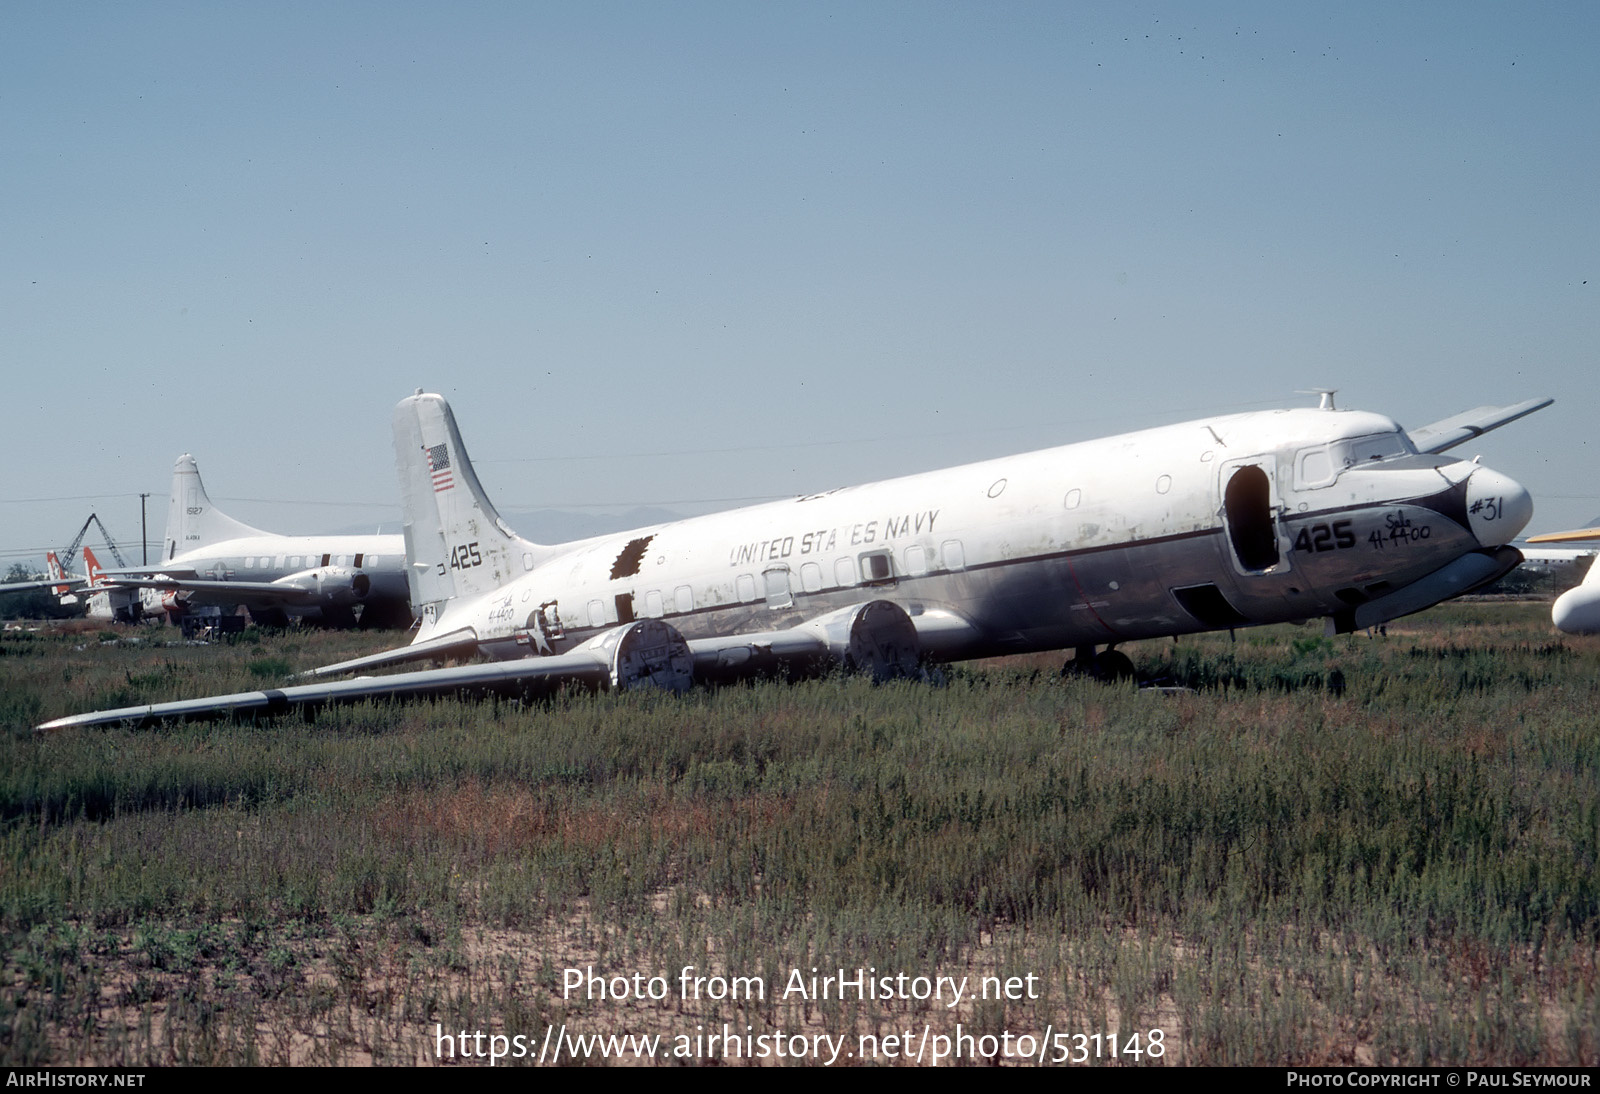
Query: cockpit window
1379, 446
1322, 466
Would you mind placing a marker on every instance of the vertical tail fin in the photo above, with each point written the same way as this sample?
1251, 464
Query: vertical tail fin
192, 521
456, 544
53, 567
91, 566
107, 605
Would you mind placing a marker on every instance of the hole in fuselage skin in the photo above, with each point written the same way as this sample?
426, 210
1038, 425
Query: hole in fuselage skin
628, 560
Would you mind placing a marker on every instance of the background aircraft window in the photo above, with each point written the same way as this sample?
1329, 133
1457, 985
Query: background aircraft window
746, 587
1074, 496
358, 562
916, 560
250, 563
326, 559
777, 585
597, 613
844, 571
653, 608
811, 577
1163, 484
683, 598
954, 557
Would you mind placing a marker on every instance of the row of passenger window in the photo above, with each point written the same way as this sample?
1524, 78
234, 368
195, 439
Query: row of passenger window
776, 585
301, 562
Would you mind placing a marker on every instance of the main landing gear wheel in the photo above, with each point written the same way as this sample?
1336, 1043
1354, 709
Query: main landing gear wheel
1108, 667
275, 618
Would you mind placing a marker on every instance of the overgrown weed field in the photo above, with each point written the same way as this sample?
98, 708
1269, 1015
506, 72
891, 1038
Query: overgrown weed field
1358, 850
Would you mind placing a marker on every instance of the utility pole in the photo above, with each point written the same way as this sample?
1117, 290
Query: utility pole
144, 536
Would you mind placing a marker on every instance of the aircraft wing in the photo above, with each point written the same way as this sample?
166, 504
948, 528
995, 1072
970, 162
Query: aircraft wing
43, 583
223, 592
487, 677
1461, 428
876, 637
1578, 536
827, 636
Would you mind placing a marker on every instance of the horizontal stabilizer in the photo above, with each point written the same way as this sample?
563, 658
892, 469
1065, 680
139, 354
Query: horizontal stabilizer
1461, 428
462, 643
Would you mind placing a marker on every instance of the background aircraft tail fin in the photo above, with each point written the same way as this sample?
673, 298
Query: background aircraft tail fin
91, 567
53, 566
192, 521
456, 544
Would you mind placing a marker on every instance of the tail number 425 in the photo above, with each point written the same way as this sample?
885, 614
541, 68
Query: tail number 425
463, 557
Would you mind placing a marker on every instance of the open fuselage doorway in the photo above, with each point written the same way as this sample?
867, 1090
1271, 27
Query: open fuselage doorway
1247, 506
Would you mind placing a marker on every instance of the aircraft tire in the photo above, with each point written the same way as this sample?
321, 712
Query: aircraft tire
1112, 666
1106, 667
270, 617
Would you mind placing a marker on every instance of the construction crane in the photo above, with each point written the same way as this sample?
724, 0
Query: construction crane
71, 552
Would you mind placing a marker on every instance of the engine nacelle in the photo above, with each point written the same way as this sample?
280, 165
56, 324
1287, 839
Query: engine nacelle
334, 586
877, 638
646, 653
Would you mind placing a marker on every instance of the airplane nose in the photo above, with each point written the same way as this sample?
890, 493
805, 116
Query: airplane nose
1497, 507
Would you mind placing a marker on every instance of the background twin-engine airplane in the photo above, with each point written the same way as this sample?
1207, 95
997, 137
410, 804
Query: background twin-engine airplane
1227, 522
210, 559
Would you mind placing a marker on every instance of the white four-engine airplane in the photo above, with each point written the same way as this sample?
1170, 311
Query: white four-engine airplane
208, 558
1233, 521
1577, 611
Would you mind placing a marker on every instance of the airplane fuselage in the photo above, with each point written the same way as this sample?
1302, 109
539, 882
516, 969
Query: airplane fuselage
1239, 520
309, 574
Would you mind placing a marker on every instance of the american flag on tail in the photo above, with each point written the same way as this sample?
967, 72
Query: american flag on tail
439, 465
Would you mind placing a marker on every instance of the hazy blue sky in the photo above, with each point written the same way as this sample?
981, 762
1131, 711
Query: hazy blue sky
662, 252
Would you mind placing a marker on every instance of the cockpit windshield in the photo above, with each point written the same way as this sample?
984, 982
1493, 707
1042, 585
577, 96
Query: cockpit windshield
1322, 465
